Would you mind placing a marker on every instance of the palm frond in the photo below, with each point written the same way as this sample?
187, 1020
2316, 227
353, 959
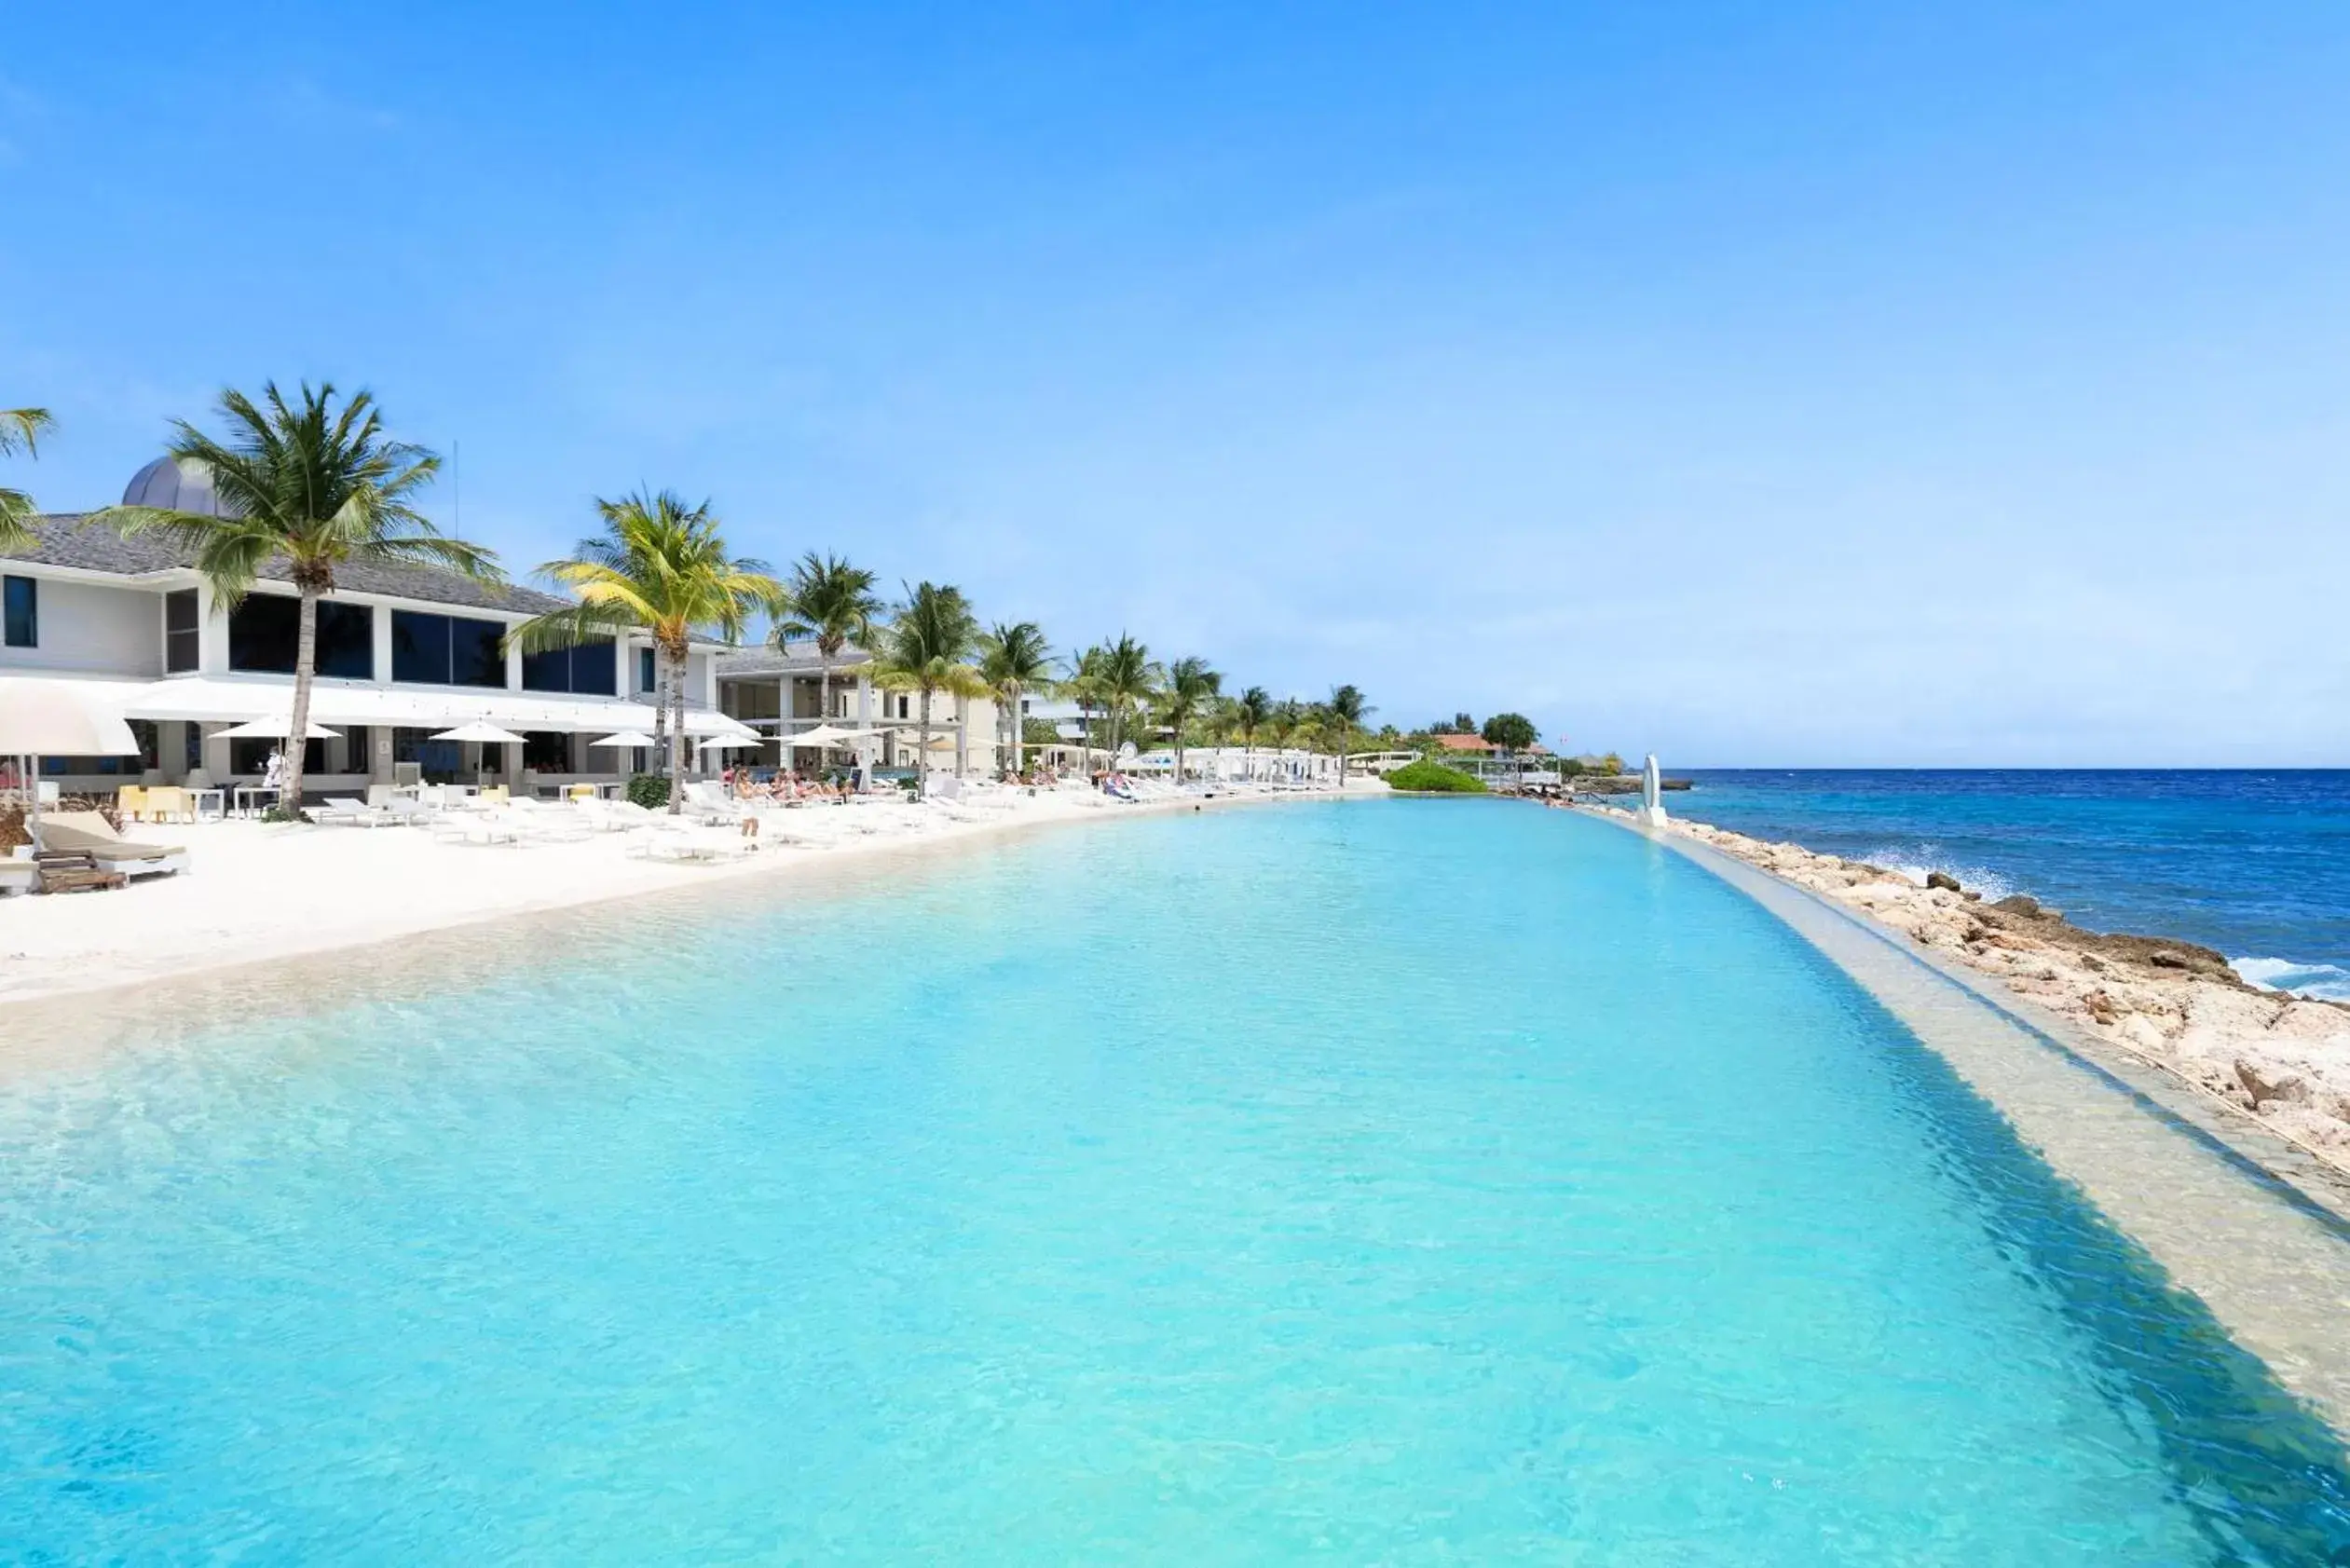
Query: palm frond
21, 428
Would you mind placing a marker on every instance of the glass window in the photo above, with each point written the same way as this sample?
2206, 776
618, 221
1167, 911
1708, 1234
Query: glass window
550, 671
588, 668
355, 758
644, 669
264, 631
476, 657
23, 611
261, 632
596, 668
346, 640
193, 748
150, 742
181, 631
419, 649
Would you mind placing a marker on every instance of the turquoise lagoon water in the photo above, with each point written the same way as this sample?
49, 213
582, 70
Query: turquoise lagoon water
1408, 1182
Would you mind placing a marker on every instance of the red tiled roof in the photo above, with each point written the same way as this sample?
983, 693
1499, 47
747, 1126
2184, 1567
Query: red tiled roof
1464, 743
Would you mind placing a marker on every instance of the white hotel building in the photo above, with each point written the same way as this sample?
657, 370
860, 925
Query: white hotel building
401, 652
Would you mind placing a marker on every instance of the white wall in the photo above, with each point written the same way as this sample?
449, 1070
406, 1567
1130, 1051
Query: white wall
100, 630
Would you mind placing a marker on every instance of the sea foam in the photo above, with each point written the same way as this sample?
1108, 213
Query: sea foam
2326, 981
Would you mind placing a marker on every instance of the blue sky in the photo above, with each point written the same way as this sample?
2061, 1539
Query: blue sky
1757, 384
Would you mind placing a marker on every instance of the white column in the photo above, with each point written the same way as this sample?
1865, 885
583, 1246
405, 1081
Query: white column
212, 636
381, 627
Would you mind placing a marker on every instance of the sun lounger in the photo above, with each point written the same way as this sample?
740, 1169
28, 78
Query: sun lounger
346, 811
89, 834
690, 849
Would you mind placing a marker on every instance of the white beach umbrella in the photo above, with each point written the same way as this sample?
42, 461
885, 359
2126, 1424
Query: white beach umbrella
724, 742
486, 734
276, 729
627, 739
50, 718
826, 735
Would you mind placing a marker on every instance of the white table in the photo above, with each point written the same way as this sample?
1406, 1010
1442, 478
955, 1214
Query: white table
245, 796
219, 798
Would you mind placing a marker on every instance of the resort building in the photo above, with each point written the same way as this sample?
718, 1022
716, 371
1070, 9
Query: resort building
777, 692
403, 652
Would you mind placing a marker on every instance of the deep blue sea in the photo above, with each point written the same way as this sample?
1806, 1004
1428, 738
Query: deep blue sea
2256, 864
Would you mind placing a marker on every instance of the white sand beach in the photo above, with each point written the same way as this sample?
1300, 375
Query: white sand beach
257, 891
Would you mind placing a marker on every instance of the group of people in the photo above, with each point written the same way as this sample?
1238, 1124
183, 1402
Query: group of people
785, 788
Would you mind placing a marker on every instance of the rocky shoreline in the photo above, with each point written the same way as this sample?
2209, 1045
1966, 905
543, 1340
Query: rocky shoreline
2283, 1059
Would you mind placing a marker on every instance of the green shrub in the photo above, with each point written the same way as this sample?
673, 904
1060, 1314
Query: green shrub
1434, 778
648, 790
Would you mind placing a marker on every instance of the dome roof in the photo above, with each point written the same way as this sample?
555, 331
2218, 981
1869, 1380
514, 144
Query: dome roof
175, 486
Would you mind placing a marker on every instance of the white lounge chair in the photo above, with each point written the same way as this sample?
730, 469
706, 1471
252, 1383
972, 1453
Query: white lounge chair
88, 833
346, 811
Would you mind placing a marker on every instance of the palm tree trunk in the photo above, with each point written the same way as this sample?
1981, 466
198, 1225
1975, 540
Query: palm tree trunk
963, 733
306, 656
661, 708
678, 737
1013, 723
921, 750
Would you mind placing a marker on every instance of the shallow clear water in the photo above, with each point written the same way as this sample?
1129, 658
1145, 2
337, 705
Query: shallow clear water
2255, 863
1401, 1181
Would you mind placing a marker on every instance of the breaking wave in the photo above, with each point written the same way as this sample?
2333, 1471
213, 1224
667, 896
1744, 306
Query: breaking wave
1912, 862
2327, 981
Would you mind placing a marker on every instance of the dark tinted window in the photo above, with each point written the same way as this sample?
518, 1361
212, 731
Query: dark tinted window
476, 658
262, 631
421, 647
644, 669
266, 629
180, 632
347, 641
595, 669
588, 668
22, 611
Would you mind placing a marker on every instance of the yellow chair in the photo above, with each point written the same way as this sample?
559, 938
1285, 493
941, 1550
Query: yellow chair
493, 795
169, 804
131, 803
581, 792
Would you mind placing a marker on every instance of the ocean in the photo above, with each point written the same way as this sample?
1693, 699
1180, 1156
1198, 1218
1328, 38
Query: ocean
2255, 864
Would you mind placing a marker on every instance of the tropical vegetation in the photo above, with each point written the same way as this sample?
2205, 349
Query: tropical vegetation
833, 604
1434, 778
1185, 697
21, 431
659, 567
926, 649
1015, 660
315, 487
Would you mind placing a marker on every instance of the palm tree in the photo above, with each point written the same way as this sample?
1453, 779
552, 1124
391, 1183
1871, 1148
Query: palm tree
924, 650
834, 603
21, 431
1287, 718
316, 489
1127, 677
662, 567
1190, 688
1014, 660
1085, 684
1345, 712
1248, 715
